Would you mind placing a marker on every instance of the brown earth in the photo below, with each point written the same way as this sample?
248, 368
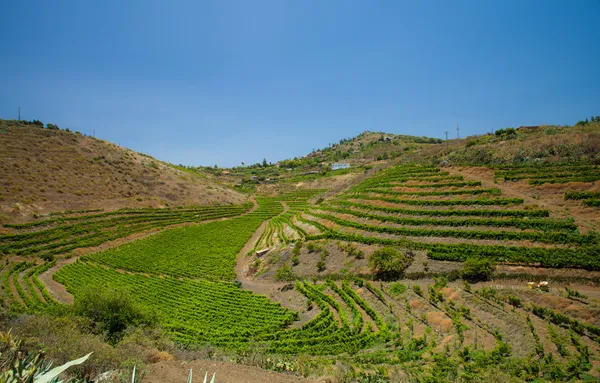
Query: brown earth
53, 170
226, 372
439, 321
549, 196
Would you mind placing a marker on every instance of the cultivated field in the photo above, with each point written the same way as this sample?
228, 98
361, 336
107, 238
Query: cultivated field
313, 293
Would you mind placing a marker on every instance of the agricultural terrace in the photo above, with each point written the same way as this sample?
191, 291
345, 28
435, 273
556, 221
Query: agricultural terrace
63, 233
548, 174
200, 251
428, 330
425, 208
589, 198
283, 229
431, 331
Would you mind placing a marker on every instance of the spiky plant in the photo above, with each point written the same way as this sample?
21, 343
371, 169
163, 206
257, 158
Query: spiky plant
17, 366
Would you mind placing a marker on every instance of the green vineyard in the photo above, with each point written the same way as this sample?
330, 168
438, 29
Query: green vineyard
548, 174
451, 221
187, 275
205, 251
61, 235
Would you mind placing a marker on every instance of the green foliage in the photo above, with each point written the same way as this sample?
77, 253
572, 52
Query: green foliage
506, 133
192, 311
397, 288
321, 265
477, 269
112, 310
572, 293
418, 290
63, 232
388, 262
208, 251
515, 301
295, 260
285, 273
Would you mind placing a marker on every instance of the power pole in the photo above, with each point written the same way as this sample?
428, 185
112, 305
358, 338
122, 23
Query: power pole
457, 132
19, 113
446, 139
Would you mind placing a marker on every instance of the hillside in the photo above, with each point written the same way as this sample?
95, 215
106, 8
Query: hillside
45, 170
414, 266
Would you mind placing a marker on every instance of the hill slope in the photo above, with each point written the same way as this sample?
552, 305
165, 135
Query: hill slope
44, 170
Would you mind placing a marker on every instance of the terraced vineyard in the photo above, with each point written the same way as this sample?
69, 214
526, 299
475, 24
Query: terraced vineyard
63, 233
589, 198
544, 174
433, 331
283, 228
424, 208
201, 251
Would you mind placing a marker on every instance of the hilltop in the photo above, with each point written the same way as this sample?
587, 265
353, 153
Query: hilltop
47, 169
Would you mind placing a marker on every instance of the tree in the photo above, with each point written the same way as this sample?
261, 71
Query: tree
264, 163
388, 263
477, 269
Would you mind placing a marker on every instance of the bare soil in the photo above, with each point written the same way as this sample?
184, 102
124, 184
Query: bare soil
548, 196
226, 372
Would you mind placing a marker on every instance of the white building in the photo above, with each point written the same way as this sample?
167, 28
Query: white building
338, 166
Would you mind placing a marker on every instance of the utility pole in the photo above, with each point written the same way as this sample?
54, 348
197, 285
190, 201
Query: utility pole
446, 139
457, 132
19, 113
94, 132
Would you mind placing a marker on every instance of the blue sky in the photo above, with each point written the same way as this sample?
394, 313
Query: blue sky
223, 81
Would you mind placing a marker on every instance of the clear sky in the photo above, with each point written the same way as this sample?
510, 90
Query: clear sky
223, 81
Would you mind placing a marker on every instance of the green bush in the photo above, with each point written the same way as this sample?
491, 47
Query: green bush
388, 263
477, 269
112, 311
285, 273
397, 288
321, 265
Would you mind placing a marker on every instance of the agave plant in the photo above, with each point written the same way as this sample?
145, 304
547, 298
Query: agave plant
20, 367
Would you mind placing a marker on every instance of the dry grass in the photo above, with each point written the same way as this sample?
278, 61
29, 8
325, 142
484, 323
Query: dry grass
49, 170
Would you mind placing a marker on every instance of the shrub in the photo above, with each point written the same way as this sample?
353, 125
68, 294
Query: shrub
388, 262
418, 290
321, 265
397, 288
285, 273
112, 311
477, 269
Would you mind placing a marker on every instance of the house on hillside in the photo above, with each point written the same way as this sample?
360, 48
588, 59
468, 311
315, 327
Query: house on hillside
225, 172
339, 165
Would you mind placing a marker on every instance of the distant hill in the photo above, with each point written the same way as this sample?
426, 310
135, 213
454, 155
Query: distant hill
44, 170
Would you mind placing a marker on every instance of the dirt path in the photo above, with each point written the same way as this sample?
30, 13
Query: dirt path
226, 372
243, 262
273, 290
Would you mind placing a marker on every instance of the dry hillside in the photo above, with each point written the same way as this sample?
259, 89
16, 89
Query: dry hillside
43, 170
